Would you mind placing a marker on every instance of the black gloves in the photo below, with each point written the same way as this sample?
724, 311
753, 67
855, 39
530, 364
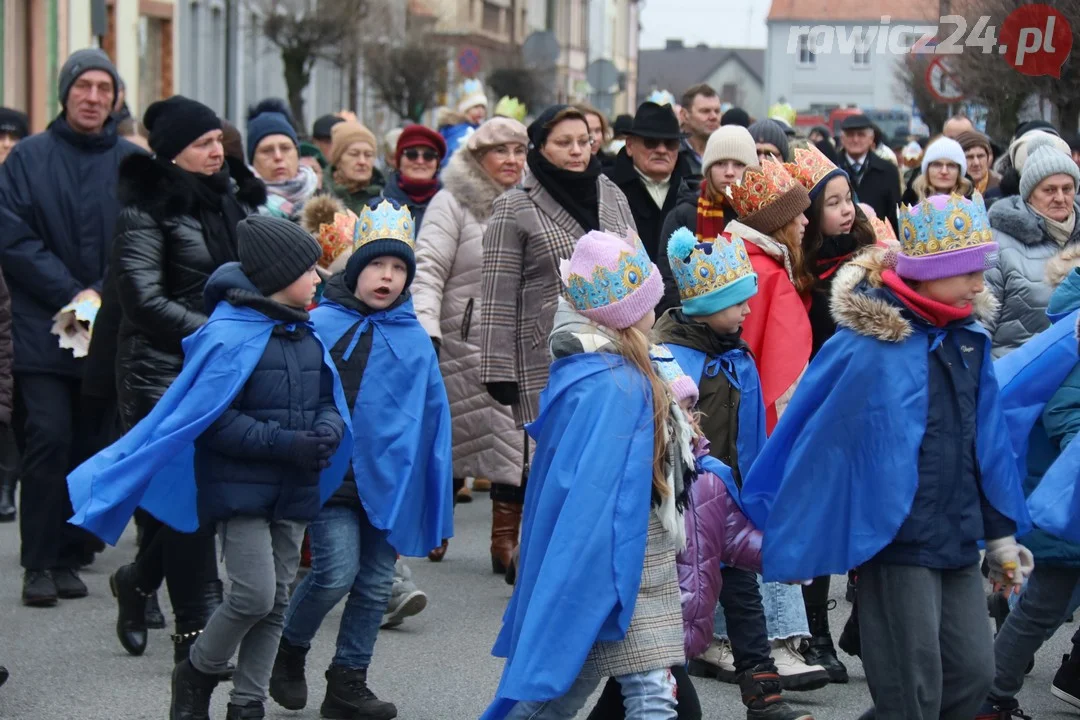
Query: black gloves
312, 450
505, 393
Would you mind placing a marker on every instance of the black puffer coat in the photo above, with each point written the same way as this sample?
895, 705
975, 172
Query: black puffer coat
162, 257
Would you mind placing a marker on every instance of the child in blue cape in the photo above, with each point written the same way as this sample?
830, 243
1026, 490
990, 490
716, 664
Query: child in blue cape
247, 438
894, 456
603, 513
397, 493
715, 281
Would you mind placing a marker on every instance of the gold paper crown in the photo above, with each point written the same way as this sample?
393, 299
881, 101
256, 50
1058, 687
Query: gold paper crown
760, 187
337, 237
385, 222
939, 225
810, 167
703, 267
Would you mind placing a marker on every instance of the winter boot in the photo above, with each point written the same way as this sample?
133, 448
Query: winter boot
463, 494
69, 586
191, 691
1066, 685
505, 525
349, 698
795, 672
439, 553
718, 662
254, 710
850, 640
7, 498
38, 589
155, 619
131, 609
761, 695
819, 649
3, 675
288, 686
481, 484
1005, 709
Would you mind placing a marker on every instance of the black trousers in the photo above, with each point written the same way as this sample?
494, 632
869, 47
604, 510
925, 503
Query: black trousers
610, 704
184, 561
740, 598
54, 435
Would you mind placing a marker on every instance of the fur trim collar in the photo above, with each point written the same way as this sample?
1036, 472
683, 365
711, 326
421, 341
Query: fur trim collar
470, 185
1059, 266
1012, 216
154, 186
861, 312
448, 116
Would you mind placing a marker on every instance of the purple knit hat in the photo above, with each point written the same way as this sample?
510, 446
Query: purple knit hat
944, 236
611, 280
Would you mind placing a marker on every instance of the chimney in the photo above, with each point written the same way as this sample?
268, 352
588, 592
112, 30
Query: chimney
673, 44
702, 46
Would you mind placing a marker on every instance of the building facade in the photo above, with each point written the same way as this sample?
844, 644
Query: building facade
613, 36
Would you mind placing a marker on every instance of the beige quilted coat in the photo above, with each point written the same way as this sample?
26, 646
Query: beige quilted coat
446, 294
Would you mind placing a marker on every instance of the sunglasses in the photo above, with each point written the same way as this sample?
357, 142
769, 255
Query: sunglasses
653, 143
414, 155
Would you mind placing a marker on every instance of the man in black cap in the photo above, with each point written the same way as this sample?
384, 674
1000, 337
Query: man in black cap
876, 181
320, 132
13, 128
58, 206
649, 170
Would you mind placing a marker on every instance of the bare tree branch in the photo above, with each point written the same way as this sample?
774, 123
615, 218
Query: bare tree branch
407, 77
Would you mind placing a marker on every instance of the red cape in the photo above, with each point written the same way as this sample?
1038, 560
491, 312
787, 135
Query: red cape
777, 330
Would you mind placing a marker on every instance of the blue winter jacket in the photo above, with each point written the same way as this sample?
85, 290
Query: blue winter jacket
1058, 425
58, 206
950, 514
244, 461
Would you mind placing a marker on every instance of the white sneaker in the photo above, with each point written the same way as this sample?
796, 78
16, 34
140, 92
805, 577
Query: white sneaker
795, 674
716, 662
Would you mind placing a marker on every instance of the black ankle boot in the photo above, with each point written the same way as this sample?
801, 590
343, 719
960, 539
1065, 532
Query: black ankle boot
191, 691
760, 689
155, 619
131, 605
349, 698
184, 637
254, 710
850, 639
7, 498
820, 650
288, 686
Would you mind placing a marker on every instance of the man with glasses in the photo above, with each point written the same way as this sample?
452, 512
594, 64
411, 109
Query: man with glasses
876, 181
649, 170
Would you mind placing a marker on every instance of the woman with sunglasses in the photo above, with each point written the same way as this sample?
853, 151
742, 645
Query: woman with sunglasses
415, 182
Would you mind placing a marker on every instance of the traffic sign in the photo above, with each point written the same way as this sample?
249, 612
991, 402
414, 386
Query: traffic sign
468, 61
941, 81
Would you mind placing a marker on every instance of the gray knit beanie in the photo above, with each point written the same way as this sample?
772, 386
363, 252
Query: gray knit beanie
82, 61
1042, 162
274, 252
770, 131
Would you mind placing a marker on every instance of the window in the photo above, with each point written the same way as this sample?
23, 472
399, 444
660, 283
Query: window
492, 17
150, 66
729, 93
806, 53
861, 55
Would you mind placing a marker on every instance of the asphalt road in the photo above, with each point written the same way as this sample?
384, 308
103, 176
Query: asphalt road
67, 664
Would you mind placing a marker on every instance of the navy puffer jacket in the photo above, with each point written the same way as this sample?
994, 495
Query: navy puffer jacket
244, 462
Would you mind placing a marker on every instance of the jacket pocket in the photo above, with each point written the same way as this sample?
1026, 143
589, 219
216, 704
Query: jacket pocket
466, 319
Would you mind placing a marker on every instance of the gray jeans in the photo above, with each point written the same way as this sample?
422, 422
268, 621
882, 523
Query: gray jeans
261, 557
927, 647
1039, 612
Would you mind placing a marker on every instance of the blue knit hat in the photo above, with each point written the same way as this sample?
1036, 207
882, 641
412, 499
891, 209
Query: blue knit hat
712, 275
383, 229
269, 117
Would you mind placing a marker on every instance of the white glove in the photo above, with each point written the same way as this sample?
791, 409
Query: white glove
1010, 563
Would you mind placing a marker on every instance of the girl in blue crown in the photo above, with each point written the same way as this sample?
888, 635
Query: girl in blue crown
894, 456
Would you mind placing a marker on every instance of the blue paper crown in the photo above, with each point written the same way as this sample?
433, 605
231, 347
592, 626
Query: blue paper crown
667, 367
472, 86
927, 229
386, 221
607, 287
700, 268
661, 97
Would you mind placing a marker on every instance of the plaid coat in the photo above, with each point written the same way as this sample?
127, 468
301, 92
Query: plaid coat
527, 236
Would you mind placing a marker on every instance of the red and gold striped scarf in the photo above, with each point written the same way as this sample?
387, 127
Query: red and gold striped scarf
712, 215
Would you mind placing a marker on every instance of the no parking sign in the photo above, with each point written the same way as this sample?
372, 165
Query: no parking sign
468, 61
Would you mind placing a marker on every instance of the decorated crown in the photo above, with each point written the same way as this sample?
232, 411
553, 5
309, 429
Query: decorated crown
661, 97
760, 187
702, 267
511, 107
942, 224
610, 281
384, 222
883, 232
810, 167
337, 237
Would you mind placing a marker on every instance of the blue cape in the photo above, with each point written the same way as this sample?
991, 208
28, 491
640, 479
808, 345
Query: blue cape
403, 455
738, 366
584, 526
836, 479
153, 465
1030, 375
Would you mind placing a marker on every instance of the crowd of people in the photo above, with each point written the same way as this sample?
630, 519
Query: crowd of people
752, 360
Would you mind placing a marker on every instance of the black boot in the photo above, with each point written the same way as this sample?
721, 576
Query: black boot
820, 650
252, 711
131, 605
191, 620
7, 498
3, 674
349, 698
761, 695
155, 619
288, 686
184, 637
850, 639
191, 691
38, 589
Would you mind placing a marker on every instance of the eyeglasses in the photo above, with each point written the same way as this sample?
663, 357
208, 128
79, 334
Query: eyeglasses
942, 166
566, 143
414, 155
653, 143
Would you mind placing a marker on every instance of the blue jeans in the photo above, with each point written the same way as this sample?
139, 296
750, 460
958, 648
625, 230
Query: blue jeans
646, 696
785, 612
349, 556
